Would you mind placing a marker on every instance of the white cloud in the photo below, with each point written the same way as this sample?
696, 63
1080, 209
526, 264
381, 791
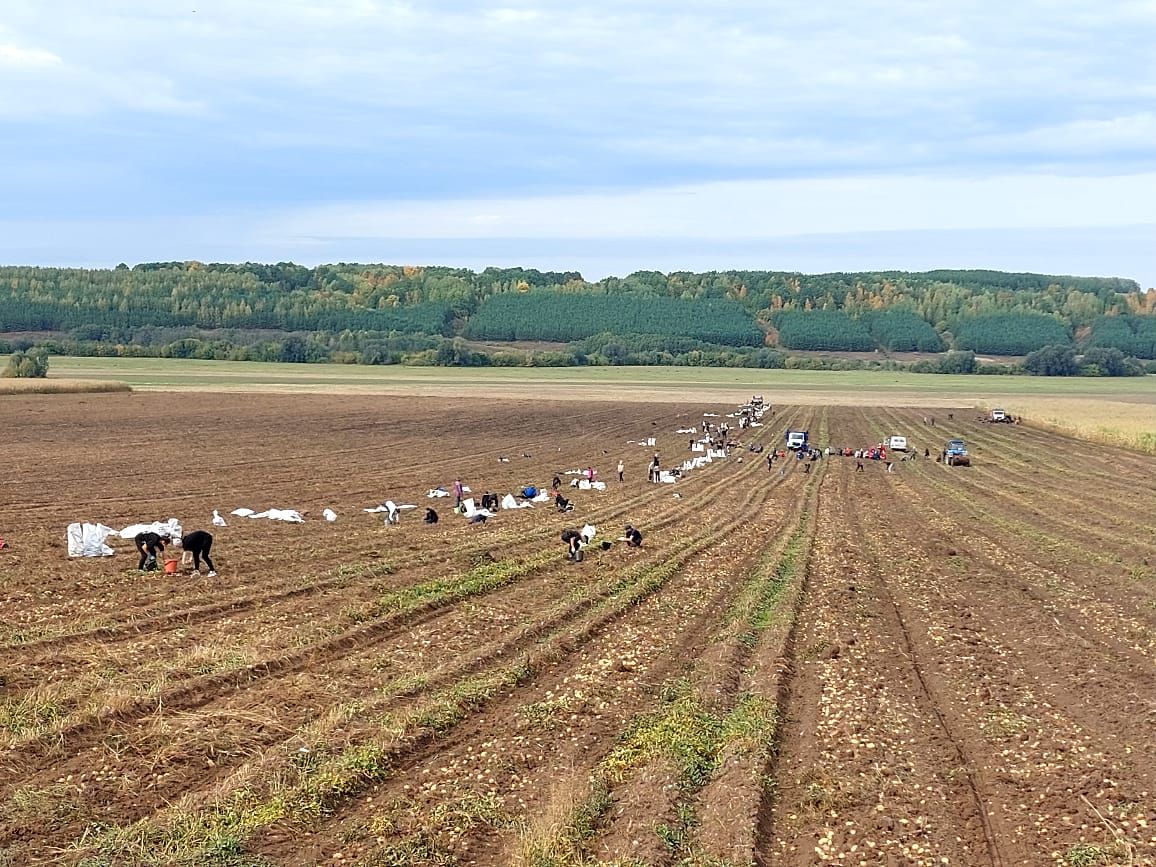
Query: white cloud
506, 15
14, 55
1128, 132
748, 210
977, 113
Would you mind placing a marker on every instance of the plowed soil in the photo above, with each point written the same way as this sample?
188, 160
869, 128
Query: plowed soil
935, 665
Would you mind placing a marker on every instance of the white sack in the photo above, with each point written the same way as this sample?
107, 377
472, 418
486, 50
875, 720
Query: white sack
390, 506
329, 515
469, 509
543, 497
170, 528
290, 515
509, 502
218, 521
87, 540
242, 513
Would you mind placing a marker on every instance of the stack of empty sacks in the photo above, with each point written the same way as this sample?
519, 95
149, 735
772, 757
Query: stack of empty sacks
88, 540
289, 515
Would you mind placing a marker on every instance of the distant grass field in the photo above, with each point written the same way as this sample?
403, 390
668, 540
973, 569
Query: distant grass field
1120, 411
59, 386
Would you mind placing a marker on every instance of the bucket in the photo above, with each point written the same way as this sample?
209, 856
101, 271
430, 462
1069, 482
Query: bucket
171, 566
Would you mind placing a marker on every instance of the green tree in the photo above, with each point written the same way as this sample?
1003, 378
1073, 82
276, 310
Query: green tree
32, 364
293, 349
1057, 360
957, 361
1107, 361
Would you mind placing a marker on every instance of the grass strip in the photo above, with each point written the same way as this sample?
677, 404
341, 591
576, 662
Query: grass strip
317, 784
686, 733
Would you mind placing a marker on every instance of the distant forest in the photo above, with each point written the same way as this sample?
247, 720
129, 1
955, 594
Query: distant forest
384, 314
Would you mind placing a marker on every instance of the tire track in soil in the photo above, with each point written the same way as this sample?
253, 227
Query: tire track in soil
1010, 480
1112, 577
1102, 462
1060, 629
1053, 716
1060, 718
1041, 455
671, 512
871, 762
1119, 629
707, 495
499, 755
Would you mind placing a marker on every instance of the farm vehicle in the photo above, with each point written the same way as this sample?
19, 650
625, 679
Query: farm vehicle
955, 454
797, 439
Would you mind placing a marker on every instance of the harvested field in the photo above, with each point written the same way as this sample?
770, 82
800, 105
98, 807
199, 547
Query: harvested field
931, 666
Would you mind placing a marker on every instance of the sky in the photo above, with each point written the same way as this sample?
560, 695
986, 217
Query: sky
598, 136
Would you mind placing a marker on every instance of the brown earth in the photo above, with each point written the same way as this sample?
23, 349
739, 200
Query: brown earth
932, 666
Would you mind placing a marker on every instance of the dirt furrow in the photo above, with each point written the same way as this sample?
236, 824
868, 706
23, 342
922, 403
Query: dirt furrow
1008, 464
709, 493
180, 614
700, 496
1062, 724
871, 764
567, 644
1088, 606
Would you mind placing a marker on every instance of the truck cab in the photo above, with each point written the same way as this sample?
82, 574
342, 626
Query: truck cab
897, 443
796, 439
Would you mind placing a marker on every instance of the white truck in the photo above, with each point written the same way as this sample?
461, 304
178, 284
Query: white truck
796, 439
897, 444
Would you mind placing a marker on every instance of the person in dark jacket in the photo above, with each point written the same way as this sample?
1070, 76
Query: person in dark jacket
573, 540
149, 545
198, 543
431, 516
632, 537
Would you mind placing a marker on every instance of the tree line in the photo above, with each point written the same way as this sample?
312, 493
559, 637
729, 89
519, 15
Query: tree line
290, 312
563, 316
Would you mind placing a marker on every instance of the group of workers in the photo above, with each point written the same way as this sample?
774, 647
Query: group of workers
196, 545
577, 540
